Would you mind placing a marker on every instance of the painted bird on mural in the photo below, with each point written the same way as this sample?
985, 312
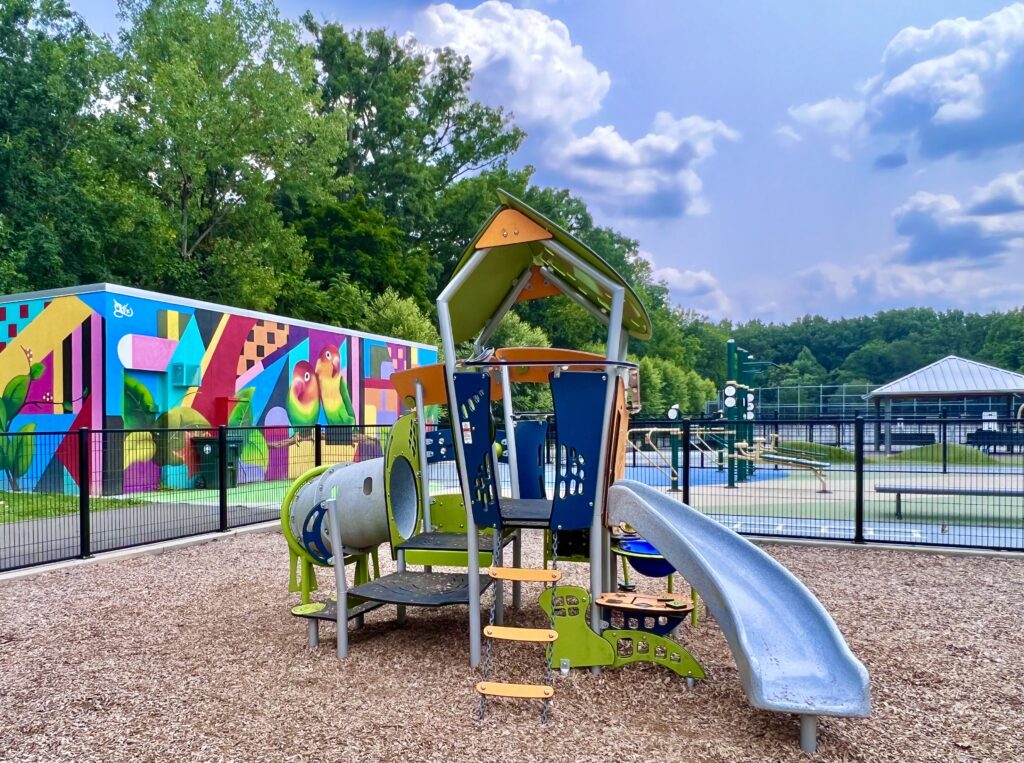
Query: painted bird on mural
333, 389
303, 396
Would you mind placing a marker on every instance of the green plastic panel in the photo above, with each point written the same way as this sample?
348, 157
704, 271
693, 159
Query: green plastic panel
640, 646
402, 444
576, 642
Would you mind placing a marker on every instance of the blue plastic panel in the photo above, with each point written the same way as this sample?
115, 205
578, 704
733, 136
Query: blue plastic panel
580, 419
530, 439
440, 446
473, 399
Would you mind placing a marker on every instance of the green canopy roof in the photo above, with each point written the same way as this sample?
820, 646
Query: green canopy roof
481, 296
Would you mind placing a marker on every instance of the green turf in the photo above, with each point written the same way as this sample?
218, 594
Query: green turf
815, 451
956, 455
15, 507
261, 492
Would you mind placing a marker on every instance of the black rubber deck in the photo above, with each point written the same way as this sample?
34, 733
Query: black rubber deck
526, 512
330, 610
435, 541
420, 589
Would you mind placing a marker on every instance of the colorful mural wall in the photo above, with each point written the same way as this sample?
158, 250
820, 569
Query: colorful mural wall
113, 360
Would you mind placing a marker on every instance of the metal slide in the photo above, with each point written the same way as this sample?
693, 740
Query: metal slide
790, 654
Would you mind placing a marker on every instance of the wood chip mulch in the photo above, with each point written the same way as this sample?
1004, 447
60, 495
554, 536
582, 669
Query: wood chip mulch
192, 655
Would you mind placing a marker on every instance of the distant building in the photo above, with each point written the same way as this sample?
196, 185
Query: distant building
952, 386
110, 357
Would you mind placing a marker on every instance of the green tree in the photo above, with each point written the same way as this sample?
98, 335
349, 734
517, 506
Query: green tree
214, 113
64, 218
513, 331
412, 133
390, 314
1004, 341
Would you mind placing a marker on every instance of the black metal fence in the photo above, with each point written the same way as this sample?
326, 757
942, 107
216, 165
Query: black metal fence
943, 482
70, 495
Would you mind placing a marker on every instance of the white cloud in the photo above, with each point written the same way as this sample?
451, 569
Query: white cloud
652, 176
884, 283
833, 115
692, 289
526, 60
938, 228
1004, 195
953, 254
522, 59
954, 88
788, 135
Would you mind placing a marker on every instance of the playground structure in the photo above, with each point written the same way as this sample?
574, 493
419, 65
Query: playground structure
790, 654
769, 451
742, 451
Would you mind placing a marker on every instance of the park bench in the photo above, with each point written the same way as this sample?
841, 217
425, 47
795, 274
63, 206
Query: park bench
901, 490
987, 438
912, 438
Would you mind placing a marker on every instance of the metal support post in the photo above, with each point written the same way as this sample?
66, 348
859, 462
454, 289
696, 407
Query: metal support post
809, 733
222, 476
84, 491
858, 468
340, 583
686, 461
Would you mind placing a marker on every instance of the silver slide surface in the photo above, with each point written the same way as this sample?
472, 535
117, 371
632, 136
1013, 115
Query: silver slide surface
791, 656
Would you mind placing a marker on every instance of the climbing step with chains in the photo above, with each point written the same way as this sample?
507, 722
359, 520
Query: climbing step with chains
525, 574
517, 691
542, 635
546, 636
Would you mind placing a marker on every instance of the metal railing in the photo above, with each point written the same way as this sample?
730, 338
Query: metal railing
955, 482
844, 401
70, 495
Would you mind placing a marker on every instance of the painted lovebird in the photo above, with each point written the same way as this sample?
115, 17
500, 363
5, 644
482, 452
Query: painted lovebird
333, 389
303, 396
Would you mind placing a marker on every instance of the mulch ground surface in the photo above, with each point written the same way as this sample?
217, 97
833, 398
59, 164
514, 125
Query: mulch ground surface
192, 655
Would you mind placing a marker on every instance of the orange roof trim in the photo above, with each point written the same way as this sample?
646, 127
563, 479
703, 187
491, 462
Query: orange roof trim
511, 227
538, 287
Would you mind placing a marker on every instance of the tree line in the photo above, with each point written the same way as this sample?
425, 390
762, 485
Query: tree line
879, 348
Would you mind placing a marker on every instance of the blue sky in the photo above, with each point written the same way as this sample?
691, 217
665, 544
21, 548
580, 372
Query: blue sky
773, 160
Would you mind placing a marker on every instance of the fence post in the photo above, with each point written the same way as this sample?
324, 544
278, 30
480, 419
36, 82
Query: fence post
858, 468
674, 442
686, 462
222, 475
84, 488
318, 445
945, 451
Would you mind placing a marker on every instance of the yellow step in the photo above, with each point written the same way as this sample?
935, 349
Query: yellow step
543, 635
520, 691
524, 574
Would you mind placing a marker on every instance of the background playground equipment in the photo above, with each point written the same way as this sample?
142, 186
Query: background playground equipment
742, 450
519, 255
768, 451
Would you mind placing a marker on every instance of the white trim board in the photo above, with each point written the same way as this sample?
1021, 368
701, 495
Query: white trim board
128, 291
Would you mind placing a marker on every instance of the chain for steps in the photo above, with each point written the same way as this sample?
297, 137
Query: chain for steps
489, 646
549, 651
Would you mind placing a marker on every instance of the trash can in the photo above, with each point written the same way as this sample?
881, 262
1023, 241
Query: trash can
208, 471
